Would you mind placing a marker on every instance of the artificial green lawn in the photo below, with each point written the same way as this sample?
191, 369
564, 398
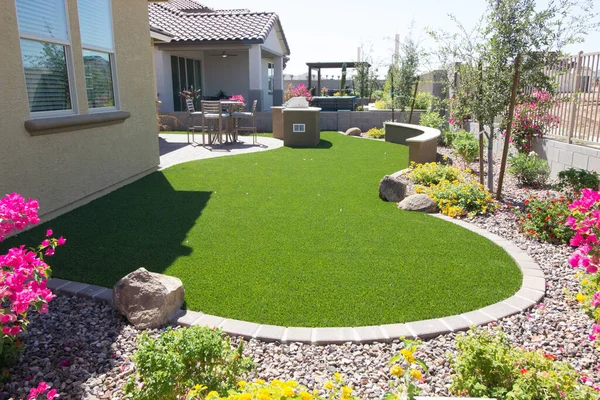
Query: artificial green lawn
295, 237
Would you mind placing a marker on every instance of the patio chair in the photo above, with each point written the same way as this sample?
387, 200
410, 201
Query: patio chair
239, 115
191, 113
212, 118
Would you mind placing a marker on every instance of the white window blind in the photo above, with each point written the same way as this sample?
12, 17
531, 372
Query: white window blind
45, 51
95, 24
43, 17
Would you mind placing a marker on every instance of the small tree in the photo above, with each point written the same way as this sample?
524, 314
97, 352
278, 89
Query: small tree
343, 80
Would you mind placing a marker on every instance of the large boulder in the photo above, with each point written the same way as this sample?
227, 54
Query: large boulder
391, 188
148, 299
353, 132
418, 202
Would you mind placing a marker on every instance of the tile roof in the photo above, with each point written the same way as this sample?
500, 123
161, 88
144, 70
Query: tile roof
190, 21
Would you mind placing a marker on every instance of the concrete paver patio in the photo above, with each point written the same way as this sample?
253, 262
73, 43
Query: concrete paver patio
175, 149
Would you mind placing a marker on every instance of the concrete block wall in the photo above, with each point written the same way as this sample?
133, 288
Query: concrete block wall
560, 155
330, 121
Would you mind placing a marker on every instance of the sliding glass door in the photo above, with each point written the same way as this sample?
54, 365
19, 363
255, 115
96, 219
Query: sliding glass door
186, 75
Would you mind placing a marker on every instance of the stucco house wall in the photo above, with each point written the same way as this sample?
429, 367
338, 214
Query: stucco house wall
66, 169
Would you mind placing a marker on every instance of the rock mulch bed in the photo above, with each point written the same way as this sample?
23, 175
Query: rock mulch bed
84, 348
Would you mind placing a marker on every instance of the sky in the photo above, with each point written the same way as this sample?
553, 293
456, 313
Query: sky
332, 30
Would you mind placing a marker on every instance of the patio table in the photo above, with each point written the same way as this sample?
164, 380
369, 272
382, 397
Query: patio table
230, 131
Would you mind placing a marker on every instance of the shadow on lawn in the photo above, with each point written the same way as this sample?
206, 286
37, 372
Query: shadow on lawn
323, 144
144, 224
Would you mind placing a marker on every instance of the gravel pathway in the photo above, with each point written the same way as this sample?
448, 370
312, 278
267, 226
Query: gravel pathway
84, 348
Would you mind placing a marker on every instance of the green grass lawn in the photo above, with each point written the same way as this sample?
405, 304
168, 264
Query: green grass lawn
295, 237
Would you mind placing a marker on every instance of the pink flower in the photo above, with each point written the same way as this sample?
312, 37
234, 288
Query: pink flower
61, 240
51, 394
49, 232
6, 330
49, 252
45, 243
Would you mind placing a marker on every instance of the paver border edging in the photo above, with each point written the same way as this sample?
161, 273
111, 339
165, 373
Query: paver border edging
531, 292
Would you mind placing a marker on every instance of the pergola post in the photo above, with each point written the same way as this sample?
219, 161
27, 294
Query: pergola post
309, 77
318, 82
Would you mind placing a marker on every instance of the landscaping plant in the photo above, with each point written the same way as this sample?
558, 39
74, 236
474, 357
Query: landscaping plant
433, 119
433, 173
573, 180
460, 198
532, 119
406, 369
466, 147
376, 133
529, 169
300, 91
544, 219
585, 222
487, 365
179, 359
448, 137
23, 275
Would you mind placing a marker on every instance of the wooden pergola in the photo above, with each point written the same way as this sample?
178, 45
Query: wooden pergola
319, 65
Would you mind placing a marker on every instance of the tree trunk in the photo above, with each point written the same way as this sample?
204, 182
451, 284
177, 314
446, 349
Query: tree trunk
491, 158
481, 172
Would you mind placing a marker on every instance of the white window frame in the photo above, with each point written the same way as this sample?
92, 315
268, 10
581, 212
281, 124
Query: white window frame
68, 60
271, 77
112, 56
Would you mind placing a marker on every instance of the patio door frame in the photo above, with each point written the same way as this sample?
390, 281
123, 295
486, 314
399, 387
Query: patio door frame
177, 64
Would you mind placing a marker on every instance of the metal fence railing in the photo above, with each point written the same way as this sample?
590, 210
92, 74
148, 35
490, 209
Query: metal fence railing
578, 97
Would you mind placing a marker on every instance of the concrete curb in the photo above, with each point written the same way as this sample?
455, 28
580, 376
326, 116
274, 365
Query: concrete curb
532, 291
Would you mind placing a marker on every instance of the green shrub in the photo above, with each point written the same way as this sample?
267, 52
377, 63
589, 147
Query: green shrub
433, 173
573, 180
488, 366
178, 359
529, 169
466, 147
376, 133
424, 100
460, 198
448, 137
433, 119
545, 219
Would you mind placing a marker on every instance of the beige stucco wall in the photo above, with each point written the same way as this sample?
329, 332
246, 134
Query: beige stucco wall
64, 170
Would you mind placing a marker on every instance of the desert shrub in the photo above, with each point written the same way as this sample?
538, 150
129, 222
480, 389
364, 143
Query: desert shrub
179, 359
448, 137
433, 119
573, 180
486, 365
529, 169
376, 133
424, 100
466, 147
381, 104
545, 219
460, 198
433, 173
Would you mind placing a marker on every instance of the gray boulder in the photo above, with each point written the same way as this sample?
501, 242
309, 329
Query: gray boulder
418, 202
353, 132
148, 299
391, 188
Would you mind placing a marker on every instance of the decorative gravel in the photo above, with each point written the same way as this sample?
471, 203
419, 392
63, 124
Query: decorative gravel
83, 348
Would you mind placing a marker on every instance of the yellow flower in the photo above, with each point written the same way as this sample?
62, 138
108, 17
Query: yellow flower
287, 391
291, 383
328, 385
276, 382
584, 281
242, 383
396, 370
415, 373
259, 381
305, 395
408, 355
245, 396
337, 376
264, 394
580, 297
212, 394
346, 392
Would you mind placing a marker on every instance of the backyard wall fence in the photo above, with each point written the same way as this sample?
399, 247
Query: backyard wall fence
559, 154
330, 121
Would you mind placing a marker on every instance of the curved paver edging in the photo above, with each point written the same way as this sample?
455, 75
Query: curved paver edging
531, 292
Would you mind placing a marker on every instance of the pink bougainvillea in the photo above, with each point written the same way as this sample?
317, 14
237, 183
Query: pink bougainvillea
300, 91
23, 273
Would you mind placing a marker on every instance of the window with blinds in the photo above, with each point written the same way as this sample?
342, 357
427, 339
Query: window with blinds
45, 50
95, 25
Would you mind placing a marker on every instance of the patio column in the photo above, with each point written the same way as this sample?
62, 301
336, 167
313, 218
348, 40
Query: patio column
255, 75
278, 84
